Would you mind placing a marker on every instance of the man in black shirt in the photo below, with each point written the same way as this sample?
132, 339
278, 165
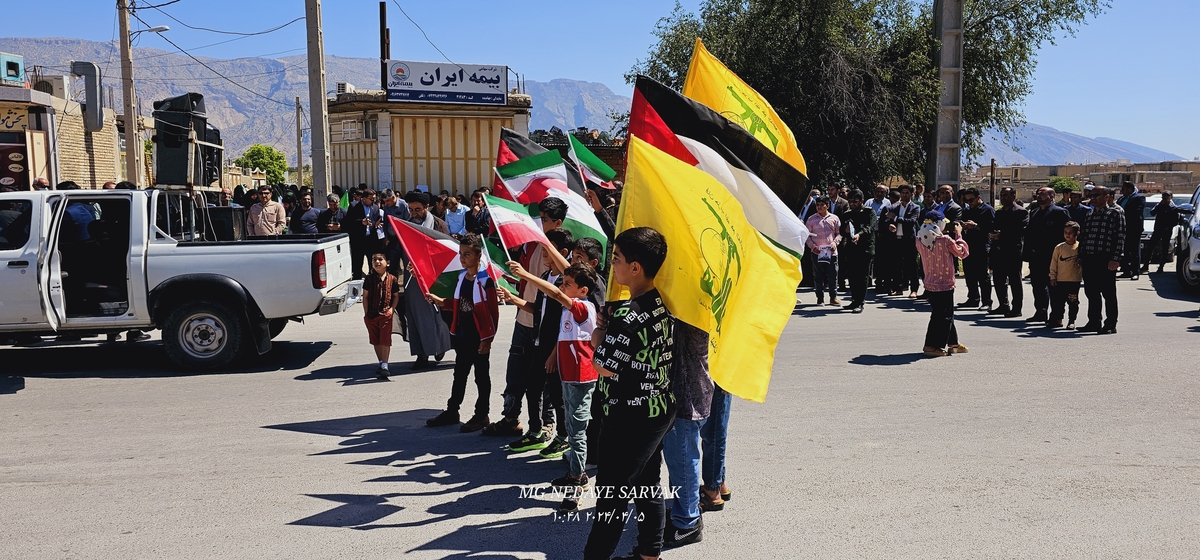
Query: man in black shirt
1042, 235
978, 217
1166, 217
858, 232
304, 217
330, 219
1133, 205
1008, 233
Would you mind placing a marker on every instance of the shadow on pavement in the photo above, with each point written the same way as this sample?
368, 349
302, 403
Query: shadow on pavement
365, 373
888, 360
474, 475
1167, 286
1195, 314
122, 360
10, 384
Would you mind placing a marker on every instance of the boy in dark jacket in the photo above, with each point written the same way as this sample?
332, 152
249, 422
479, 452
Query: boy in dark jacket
476, 315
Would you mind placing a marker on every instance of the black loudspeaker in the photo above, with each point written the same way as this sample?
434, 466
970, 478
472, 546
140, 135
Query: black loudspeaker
173, 119
224, 223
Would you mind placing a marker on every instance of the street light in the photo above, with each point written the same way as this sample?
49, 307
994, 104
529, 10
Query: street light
133, 133
155, 29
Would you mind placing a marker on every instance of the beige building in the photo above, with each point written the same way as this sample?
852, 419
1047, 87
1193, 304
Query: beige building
45, 136
400, 145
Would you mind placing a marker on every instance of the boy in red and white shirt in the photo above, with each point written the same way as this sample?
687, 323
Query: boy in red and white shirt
573, 360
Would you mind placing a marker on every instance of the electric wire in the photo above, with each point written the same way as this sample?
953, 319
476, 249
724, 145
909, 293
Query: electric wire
210, 68
251, 34
427, 39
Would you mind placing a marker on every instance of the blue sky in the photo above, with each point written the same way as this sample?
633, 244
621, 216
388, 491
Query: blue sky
1127, 75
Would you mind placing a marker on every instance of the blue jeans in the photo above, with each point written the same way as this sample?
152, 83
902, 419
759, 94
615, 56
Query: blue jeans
681, 453
577, 404
825, 276
714, 434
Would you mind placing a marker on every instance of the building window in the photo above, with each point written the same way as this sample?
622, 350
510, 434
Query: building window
351, 130
371, 129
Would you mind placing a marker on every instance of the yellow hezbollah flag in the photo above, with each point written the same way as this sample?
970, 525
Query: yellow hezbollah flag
721, 275
713, 85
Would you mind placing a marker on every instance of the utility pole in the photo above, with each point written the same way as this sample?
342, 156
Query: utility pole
993, 176
133, 133
317, 107
945, 148
299, 144
385, 46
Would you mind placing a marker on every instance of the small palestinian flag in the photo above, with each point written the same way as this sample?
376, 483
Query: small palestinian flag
514, 223
529, 180
514, 146
581, 220
435, 260
593, 168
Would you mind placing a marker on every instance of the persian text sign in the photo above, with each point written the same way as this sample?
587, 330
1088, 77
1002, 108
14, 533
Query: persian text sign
432, 82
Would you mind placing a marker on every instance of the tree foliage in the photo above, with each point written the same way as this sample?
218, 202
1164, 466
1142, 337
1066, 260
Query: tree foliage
1063, 185
266, 158
855, 79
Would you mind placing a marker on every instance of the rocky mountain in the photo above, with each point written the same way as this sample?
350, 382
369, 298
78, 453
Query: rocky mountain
1042, 145
257, 102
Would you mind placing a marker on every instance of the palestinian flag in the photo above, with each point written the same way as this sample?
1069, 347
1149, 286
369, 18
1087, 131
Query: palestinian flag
434, 258
514, 146
513, 222
592, 167
769, 189
529, 180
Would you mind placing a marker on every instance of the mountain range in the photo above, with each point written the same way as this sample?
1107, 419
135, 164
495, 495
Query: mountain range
256, 104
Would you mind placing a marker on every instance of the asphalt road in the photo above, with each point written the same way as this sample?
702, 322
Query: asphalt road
1036, 444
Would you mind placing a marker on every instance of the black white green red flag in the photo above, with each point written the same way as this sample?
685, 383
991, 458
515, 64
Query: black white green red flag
593, 168
435, 259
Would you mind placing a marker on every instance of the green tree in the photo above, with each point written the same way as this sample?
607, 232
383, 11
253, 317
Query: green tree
855, 79
266, 158
1063, 185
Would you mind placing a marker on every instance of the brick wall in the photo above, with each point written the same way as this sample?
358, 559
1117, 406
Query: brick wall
88, 158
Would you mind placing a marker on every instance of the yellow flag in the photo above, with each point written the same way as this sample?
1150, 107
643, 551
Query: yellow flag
712, 84
721, 275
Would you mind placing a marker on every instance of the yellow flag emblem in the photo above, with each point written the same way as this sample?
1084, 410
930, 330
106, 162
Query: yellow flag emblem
720, 275
709, 82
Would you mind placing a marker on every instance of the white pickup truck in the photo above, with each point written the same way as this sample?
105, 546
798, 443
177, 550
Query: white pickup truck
86, 262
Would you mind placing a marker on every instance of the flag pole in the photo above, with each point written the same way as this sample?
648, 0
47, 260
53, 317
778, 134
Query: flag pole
485, 203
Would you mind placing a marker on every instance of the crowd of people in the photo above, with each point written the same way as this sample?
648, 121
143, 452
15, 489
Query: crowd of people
611, 388
899, 239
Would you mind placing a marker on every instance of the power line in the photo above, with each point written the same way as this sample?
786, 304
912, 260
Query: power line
271, 73
163, 4
264, 32
427, 39
209, 67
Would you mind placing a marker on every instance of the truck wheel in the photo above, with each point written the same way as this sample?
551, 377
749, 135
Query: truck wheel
276, 326
203, 335
1188, 279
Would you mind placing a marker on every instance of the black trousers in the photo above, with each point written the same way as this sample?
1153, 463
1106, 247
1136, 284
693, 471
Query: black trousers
979, 280
1159, 242
520, 354
1006, 272
466, 356
553, 397
941, 331
1133, 252
857, 267
1039, 280
907, 276
630, 466
535, 386
1100, 286
1064, 295
360, 251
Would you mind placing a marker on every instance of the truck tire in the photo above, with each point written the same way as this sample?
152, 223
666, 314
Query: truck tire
203, 335
1190, 281
276, 326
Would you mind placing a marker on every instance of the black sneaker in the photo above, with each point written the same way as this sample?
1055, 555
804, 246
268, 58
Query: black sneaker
570, 504
969, 303
446, 418
530, 442
567, 481
555, 450
675, 537
1002, 310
